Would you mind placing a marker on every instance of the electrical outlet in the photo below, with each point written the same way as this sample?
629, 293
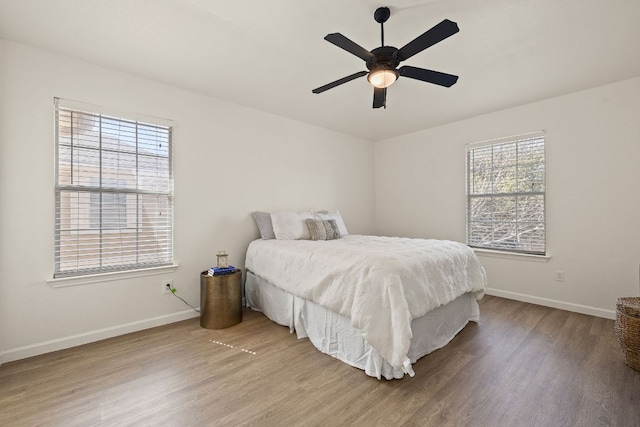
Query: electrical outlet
167, 285
559, 276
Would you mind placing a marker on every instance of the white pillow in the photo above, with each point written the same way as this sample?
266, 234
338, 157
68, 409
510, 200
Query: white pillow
338, 218
290, 225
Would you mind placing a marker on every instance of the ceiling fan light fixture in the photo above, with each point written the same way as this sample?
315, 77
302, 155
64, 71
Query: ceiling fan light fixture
382, 77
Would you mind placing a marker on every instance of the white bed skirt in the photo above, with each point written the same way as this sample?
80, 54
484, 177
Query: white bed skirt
332, 333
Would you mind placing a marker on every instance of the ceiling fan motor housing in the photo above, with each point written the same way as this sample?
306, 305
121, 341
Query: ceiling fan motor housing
384, 57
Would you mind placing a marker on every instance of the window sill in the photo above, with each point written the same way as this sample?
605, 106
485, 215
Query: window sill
511, 255
106, 277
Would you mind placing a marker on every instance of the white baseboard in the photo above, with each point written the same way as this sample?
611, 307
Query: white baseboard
92, 336
577, 308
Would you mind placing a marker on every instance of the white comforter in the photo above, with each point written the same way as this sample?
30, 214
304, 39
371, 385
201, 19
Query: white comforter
380, 283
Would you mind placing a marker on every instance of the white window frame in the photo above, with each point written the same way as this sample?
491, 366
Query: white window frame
536, 188
141, 259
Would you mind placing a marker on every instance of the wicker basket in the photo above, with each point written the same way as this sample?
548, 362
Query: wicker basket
628, 329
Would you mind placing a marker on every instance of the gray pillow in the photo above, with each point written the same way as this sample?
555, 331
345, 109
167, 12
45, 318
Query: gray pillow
322, 229
263, 221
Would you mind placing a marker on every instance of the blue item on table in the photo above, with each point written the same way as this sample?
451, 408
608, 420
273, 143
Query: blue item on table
219, 271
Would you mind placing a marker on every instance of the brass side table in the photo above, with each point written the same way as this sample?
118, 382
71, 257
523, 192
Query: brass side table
220, 300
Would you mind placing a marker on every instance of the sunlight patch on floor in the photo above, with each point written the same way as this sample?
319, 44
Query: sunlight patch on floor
230, 346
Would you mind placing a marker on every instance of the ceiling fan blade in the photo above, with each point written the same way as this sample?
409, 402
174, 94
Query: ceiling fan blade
351, 47
429, 76
339, 82
379, 97
430, 37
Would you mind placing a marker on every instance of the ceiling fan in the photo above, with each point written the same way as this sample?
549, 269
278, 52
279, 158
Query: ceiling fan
383, 61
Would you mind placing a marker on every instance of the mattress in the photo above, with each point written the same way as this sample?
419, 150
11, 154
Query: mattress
333, 334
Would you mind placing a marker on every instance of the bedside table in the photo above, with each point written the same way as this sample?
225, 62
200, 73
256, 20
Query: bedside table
220, 300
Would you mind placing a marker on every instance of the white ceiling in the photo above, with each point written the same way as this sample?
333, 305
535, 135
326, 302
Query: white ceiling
269, 55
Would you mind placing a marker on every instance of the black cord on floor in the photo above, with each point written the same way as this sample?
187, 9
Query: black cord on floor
173, 291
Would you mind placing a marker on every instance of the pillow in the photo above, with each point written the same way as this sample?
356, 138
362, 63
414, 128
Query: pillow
263, 221
322, 229
338, 218
290, 225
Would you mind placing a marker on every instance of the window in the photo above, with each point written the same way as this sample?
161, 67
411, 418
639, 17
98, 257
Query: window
114, 192
506, 194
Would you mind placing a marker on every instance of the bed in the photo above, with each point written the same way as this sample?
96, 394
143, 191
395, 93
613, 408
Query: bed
376, 303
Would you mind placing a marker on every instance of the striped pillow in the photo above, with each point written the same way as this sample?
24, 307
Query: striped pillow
322, 229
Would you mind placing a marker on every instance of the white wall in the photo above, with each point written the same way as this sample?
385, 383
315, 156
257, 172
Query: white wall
3, 303
592, 199
269, 162
263, 161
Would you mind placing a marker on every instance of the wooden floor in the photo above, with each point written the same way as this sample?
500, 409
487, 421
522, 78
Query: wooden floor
523, 365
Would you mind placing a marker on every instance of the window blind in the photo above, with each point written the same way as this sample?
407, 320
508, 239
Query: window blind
506, 194
114, 193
